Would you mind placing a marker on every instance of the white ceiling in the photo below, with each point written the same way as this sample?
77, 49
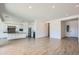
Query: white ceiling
40, 11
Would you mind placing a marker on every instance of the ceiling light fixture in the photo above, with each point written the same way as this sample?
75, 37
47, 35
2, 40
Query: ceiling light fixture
53, 6
30, 7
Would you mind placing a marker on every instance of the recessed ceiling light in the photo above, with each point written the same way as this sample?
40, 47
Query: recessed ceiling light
77, 6
30, 7
53, 6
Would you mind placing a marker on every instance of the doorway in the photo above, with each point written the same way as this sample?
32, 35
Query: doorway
29, 32
48, 29
69, 28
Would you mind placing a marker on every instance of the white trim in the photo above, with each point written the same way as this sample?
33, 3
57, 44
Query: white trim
66, 18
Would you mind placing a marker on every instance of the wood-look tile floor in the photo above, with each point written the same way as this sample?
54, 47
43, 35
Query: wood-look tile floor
42, 46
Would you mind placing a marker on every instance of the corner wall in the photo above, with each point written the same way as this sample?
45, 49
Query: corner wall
41, 29
55, 29
63, 29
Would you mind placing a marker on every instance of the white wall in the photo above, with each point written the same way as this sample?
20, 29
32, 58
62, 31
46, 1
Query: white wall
2, 35
1, 26
55, 29
63, 29
73, 28
78, 28
41, 29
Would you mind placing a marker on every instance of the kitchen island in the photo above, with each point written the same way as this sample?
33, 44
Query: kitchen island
11, 36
